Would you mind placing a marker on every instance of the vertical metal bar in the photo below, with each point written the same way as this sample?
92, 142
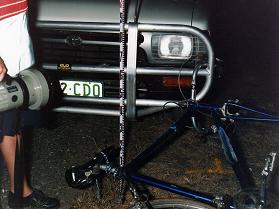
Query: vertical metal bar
122, 94
131, 70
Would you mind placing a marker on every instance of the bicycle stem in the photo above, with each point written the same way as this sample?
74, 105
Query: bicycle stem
193, 95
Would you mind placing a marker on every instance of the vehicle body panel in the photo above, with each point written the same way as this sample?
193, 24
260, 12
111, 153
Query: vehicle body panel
178, 12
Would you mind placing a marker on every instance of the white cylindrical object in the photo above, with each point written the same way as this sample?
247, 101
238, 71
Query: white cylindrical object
11, 96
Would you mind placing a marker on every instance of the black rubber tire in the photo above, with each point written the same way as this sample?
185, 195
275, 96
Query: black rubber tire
179, 204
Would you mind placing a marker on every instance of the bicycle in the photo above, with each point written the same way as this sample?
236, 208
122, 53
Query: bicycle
223, 116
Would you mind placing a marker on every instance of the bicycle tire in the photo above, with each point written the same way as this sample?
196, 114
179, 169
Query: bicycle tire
178, 204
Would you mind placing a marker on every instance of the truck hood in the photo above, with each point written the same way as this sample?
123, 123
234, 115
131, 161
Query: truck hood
107, 11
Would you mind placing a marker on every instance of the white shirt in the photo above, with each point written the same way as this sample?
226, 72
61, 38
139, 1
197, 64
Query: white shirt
16, 48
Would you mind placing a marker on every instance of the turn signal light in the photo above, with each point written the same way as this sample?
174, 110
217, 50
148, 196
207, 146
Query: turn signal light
175, 82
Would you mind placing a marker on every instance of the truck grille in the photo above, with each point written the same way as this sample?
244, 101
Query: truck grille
80, 48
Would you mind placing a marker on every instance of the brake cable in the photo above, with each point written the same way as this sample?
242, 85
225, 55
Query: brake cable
257, 115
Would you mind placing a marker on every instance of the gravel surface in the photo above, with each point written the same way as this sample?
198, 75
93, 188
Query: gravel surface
195, 162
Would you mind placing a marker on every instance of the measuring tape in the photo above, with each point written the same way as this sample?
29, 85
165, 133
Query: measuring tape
122, 93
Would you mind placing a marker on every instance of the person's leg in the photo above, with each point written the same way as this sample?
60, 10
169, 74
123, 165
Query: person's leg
8, 147
8, 150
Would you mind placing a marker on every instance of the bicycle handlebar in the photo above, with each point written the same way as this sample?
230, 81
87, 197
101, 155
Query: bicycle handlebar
224, 111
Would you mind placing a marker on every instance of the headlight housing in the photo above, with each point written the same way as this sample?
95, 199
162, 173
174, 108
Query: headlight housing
175, 47
172, 46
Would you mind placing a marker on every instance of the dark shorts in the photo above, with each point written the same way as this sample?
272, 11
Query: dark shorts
12, 121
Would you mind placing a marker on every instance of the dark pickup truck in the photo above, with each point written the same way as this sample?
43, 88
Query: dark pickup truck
78, 41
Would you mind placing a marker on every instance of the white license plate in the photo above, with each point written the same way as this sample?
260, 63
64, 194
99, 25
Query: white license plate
82, 88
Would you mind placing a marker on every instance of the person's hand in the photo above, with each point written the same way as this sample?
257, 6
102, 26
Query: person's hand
3, 69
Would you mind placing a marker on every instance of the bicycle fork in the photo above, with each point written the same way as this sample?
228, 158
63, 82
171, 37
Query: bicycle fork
242, 172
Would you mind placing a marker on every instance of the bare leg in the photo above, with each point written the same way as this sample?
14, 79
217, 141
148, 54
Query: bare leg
8, 149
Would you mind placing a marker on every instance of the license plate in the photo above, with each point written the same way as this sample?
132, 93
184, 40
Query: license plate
82, 88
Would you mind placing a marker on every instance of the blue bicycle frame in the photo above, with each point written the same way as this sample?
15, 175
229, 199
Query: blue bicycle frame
103, 162
178, 128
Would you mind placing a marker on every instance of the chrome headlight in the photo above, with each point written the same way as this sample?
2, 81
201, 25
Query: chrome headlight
172, 47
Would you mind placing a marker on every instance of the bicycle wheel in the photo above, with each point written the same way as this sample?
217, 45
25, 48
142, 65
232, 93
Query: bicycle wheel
178, 204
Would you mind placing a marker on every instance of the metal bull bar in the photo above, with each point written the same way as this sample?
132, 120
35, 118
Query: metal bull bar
151, 106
